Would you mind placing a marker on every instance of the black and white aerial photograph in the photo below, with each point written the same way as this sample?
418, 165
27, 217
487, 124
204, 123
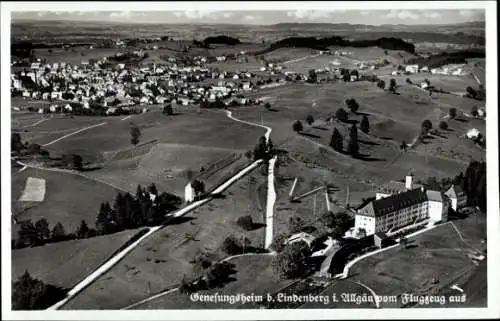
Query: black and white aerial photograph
261, 157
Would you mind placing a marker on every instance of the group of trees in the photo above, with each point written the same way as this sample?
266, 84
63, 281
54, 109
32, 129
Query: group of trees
479, 94
18, 147
39, 233
291, 262
29, 293
339, 223
147, 208
297, 126
352, 104
263, 150
473, 183
233, 245
337, 141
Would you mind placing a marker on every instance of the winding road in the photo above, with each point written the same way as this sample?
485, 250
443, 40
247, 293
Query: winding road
106, 266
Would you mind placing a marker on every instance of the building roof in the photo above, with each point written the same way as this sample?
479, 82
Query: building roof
455, 191
395, 187
308, 238
434, 196
394, 203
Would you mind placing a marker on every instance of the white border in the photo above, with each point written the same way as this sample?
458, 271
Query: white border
493, 225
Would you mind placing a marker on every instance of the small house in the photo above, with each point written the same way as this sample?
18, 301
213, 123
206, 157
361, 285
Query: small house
457, 196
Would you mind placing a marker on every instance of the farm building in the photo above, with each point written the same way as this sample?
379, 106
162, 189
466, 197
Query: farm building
412, 69
457, 197
188, 193
473, 133
301, 237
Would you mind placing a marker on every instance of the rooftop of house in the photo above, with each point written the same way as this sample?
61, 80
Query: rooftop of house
393, 203
455, 191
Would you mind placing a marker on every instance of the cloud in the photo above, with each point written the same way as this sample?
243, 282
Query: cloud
309, 14
402, 14
467, 13
432, 15
120, 15
194, 14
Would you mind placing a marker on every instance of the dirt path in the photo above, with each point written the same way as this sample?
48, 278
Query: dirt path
74, 133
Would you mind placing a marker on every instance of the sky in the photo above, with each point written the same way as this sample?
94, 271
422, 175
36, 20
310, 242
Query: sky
265, 17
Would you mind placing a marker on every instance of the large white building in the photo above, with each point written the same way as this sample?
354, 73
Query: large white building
392, 212
399, 204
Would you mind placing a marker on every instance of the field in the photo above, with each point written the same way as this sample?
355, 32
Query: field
68, 199
213, 147
440, 253
254, 275
66, 263
162, 260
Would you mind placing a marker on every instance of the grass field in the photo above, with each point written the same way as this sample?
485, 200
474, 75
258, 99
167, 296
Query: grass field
66, 263
254, 276
163, 259
439, 253
68, 198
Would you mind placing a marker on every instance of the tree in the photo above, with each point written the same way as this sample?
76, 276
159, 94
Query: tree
471, 92
152, 189
337, 141
328, 219
453, 113
135, 134
408, 81
443, 125
297, 126
364, 125
249, 155
232, 246
426, 125
73, 161
82, 232
392, 85
295, 224
198, 187
309, 120
16, 143
313, 77
42, 229
474, 111
29, 293
58, 233
381, 84
403, 242
28, 234
245, 222
267, 106
278, 243
341, 115
403, 146
352, 104
291, 262
354, 73
168, 110
353, 146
